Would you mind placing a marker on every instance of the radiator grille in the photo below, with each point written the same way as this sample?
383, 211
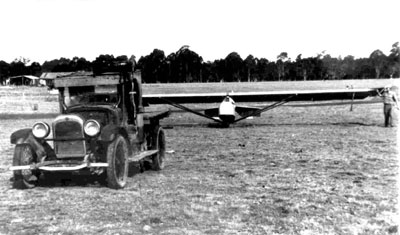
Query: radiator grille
65, 130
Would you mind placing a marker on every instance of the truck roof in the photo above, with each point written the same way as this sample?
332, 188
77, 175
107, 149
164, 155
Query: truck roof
87, 79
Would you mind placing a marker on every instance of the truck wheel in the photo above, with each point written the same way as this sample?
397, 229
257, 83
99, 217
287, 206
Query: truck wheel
117, 159
159, 144
24, 155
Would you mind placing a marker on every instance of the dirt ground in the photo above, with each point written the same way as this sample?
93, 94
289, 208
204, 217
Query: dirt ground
294, 170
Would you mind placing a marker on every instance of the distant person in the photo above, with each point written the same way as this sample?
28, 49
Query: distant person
389, 102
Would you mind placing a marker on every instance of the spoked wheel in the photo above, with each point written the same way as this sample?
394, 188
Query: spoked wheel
24, 155
117, 158
158, 144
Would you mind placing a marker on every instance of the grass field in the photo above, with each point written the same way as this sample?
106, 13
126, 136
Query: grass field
294, 170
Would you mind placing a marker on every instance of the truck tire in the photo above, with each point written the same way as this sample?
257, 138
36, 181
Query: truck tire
159, 144
24, 155
117, 159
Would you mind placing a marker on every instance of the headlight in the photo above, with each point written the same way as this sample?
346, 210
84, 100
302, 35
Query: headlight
91, 128
40, 130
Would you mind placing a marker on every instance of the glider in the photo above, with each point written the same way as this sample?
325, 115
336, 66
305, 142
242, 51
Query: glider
227, 110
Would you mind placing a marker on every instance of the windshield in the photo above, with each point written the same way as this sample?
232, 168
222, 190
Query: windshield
88, 95
92, 98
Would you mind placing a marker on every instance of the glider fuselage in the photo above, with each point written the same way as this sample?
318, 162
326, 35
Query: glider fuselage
226, 110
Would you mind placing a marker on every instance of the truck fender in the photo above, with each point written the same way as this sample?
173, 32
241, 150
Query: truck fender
110, 132
24, 136
18, 137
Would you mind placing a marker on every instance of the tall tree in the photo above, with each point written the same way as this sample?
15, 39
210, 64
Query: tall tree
35, 69
19, 67
63, 65
303, 67
281, 60
265, 71
394, 60
81, 64
188, 65
347, 67
250, 64
378, 59
48, 66
233, 67
109, 63
219, 70
332, 66
364, 69
152, 67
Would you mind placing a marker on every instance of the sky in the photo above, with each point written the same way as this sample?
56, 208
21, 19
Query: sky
43, 30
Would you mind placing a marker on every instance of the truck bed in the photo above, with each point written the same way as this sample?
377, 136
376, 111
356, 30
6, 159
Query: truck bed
155, 117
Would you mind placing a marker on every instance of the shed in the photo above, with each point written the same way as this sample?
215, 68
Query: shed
26, 80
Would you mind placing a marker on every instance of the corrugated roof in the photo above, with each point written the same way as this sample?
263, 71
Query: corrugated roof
53, 75
25, 76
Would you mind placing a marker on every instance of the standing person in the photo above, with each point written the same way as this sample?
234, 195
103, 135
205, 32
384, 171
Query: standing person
389, 100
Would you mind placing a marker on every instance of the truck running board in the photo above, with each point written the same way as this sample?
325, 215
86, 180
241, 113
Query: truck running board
141, 155
40, 166
45, 167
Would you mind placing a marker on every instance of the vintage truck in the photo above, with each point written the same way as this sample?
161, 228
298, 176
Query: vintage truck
102, 128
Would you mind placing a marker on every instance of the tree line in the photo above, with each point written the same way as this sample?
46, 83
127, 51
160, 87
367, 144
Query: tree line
186, 65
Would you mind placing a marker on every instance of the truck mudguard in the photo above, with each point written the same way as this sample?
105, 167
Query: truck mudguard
22, 134
110, 132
